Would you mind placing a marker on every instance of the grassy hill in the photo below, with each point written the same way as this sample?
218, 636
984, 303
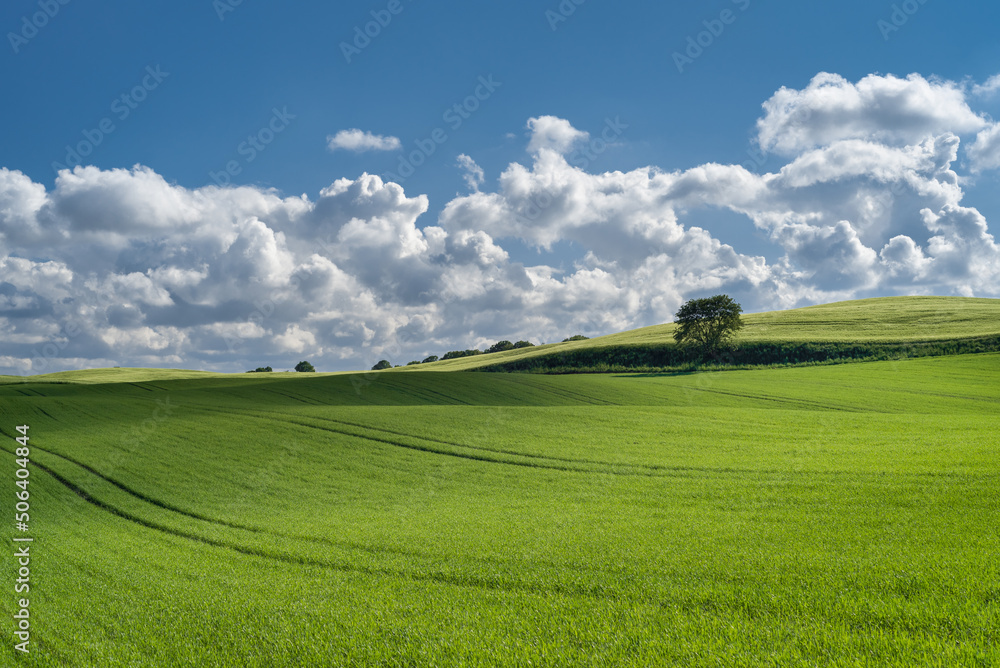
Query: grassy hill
838, 515
884, 320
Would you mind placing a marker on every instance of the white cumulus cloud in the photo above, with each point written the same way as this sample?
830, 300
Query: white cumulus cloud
884, 108
985, 152
360, 141
553, 133
473, 173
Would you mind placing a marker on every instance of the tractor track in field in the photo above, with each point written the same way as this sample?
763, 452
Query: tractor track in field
46, 414
187, 514
292, 397
798, 403
140, 495
650, 471
433, 450
284, 417
427, 393
609, 467
565, 393
475, 447
492, 584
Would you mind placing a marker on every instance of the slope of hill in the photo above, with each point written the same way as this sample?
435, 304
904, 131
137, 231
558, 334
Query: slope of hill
883, 320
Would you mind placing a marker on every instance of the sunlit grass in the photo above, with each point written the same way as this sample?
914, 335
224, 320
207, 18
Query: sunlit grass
795, 517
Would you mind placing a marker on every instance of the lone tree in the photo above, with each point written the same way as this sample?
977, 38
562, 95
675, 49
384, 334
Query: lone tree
708, 322
304, 367
382, 364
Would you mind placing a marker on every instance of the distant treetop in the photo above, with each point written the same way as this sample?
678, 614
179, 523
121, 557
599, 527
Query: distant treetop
455, 354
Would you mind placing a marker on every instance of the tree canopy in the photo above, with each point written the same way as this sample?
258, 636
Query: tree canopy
709, 322
455, 354
304, 367
500, 346
382, 364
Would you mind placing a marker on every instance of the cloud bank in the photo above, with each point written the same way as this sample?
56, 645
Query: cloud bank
122, 267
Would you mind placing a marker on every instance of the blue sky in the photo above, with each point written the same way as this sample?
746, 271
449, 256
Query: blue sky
91, 277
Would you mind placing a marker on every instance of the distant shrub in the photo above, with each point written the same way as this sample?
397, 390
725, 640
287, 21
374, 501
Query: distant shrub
672, 357
432, 358
382, 364
414, 362
576, 337
524, 344
304, 367
261, 369
500, 346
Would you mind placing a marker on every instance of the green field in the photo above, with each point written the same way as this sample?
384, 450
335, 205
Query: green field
814, 516
822, 516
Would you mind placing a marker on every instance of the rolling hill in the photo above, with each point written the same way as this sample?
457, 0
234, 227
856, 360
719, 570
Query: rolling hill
883, 320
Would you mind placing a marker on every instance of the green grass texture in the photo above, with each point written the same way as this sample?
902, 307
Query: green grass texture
814, 516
